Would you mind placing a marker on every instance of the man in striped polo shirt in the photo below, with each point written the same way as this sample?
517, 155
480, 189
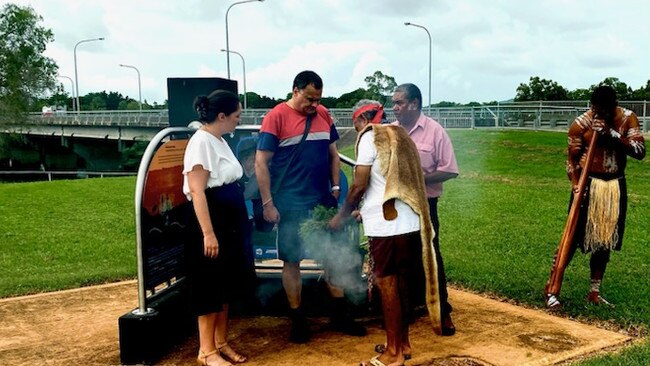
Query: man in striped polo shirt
305, 184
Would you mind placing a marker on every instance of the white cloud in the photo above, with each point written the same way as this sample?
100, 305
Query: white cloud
481, 50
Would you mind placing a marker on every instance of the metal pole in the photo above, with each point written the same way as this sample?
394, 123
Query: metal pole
139, 84
244, 77
473, 118
430, 54
539, 116
76, 78
227, 42
71, 89
645, 116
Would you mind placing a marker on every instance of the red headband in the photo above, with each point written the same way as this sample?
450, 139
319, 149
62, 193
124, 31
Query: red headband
370, 107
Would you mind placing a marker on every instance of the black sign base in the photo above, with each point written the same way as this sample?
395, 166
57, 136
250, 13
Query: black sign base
145, 338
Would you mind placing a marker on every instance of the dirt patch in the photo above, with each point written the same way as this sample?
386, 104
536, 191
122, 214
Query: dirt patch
550, 341
80, 327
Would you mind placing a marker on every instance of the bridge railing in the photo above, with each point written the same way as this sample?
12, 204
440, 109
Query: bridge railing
538, 115
148, 118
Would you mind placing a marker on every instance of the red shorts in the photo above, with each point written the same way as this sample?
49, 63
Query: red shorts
400, 254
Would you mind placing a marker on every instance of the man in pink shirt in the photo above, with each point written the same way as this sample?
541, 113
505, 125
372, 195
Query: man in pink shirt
438, 164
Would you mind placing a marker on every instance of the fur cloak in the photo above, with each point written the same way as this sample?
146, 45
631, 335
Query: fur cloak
400, 164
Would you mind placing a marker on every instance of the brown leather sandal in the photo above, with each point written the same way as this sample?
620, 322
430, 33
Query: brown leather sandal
230, 354
202, 359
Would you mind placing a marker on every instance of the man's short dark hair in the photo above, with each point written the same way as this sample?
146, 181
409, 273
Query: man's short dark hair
604, 96
305, 78
412, 92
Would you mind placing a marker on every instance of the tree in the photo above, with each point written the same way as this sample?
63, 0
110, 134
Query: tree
380, 86
329, 102
25, 74
95, 103
132, 155
540, 89
580, 94
445, 104
59, 99
255, 100
348, 100
17, 152
133, 105
113, 99
623, 92
106, 101
643, 93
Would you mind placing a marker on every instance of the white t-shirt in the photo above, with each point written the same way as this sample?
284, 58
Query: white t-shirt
215, 156
374, 224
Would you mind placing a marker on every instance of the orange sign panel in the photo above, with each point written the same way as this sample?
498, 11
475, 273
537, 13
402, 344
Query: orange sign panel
163, 188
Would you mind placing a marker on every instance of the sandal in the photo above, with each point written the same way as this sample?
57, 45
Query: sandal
230, 354
375, 362
202, 359
381, 348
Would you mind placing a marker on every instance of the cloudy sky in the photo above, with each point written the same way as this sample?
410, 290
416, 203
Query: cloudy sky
482, 50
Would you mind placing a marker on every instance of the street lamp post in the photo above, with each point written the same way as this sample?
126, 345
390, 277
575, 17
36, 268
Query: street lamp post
139, 85
227, 45
244, 68
428, 34
71, 88
76, 79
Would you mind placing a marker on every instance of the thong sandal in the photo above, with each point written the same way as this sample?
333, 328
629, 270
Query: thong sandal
375, 362
380, 348
230, 354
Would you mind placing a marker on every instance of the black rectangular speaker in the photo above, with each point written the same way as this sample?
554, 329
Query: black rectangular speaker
182, 91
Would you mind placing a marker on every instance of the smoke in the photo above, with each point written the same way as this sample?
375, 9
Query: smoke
266, 291
341, 257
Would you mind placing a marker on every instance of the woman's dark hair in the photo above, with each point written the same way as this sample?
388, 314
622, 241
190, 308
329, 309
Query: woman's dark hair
307, 77
219, 101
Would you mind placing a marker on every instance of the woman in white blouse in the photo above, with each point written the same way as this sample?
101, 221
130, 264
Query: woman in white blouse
216, 263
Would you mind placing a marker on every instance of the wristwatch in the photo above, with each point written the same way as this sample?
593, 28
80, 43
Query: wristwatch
335, 188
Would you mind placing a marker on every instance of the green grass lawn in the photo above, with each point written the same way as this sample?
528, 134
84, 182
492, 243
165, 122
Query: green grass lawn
501, 222
65, 234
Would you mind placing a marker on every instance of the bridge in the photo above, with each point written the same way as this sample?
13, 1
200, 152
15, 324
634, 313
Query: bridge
97, 140
143, 125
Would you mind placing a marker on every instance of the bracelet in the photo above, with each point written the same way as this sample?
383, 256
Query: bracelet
267, 202
335, 188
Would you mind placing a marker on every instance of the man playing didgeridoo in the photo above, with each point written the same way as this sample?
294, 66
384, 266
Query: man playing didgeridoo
601, 218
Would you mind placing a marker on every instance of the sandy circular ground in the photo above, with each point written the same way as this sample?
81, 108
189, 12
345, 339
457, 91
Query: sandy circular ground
81, 327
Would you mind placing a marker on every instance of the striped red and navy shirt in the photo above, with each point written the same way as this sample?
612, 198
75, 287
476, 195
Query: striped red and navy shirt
306, 181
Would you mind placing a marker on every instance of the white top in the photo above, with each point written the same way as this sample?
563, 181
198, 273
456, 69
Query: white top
215, 156
374, 224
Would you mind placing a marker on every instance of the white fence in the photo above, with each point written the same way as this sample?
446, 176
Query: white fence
535, 115
34, 175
